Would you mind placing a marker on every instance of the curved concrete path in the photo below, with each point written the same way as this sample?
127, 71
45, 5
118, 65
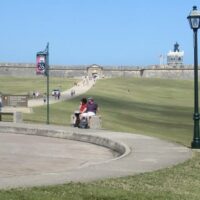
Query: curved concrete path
137, 154
82, 87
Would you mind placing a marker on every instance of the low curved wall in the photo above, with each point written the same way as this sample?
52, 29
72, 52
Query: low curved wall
65, 133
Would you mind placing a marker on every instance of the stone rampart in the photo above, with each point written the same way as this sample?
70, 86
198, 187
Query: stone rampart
28, 70
169, 73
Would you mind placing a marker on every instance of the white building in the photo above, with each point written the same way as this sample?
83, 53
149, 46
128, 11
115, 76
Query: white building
175, 58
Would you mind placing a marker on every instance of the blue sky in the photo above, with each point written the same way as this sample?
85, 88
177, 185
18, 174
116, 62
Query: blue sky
104, 32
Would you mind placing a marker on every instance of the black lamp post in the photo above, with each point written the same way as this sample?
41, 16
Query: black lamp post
194, 20
43, 68
47, 74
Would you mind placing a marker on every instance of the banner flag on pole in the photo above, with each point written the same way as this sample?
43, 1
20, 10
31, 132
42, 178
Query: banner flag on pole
40, 63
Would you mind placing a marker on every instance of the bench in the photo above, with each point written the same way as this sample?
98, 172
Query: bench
17, 116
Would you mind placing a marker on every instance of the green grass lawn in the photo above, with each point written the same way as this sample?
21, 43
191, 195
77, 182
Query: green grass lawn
17, 85
155, 107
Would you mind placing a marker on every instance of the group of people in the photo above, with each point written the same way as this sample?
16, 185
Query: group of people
87, 109
36, 94
57, 94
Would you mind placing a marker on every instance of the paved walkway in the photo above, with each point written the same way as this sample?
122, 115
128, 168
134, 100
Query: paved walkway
82, 87
136, 154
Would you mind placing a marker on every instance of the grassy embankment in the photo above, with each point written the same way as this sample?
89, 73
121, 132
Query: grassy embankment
161, 108
26, 86
155, 107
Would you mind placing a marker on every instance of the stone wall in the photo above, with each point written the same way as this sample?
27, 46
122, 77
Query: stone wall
152, 73
28, 70
110, 73
169, 73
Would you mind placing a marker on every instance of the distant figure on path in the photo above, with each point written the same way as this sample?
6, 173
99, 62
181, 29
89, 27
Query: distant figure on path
33, 94
72, 93
0, 103
58, 95
44, 98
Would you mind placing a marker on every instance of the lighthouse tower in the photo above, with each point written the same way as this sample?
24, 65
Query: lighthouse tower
175, 58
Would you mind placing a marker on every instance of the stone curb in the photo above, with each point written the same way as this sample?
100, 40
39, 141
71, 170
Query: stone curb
70, 134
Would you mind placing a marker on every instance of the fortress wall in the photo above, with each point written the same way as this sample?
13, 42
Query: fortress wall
152, 73
169, 73
28, 70
110, 73
70, 73
17, 71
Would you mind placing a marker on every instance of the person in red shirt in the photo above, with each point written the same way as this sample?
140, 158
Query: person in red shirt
83, 105
82, 109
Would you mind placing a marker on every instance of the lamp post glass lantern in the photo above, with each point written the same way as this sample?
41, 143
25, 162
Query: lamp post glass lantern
194, 21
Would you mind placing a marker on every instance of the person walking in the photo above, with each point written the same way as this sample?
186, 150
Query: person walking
44, 98
0, 103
